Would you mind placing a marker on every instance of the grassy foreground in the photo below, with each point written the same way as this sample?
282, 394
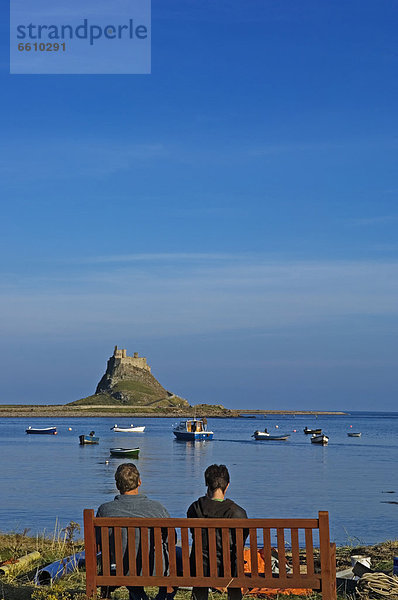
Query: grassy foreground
18, 585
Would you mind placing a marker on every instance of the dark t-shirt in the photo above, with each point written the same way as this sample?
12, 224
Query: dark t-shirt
206, 508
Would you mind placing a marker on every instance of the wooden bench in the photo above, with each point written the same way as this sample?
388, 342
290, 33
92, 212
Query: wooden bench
267, 533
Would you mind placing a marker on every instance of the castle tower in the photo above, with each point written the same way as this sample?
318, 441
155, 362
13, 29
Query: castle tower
135, 361
118, 353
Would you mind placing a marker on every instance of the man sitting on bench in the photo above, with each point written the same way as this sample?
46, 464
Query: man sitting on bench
215, 506
130, 503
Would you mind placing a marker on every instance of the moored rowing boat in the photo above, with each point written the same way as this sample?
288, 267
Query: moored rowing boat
265, 436
130, 429
121, 452
42, 430
88, 439
321, 439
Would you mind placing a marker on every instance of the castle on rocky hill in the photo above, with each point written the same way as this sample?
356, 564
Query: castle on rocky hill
129, 382
121, 358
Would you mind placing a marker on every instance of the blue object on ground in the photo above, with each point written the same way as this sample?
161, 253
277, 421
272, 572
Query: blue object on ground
59, 568
395, 569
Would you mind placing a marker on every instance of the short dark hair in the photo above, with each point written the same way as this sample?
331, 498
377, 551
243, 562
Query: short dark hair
217, 477
127, 477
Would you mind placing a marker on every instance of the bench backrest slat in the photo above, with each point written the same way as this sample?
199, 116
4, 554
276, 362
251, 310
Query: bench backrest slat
106, 563
132, 551
158, 551
212, 551
171, 540
145, 551
295, 551
281, 551
198, 552
226, 552
118, 551
185, 552
267, 552
240, 563
253, 550
309, 551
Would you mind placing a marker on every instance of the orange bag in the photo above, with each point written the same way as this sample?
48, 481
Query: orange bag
269, 591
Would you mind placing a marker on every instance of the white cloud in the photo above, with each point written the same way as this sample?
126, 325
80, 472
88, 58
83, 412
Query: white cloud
170, 297
154, 257
379, 220
41, 159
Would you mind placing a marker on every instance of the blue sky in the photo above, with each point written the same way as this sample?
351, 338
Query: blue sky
232, 216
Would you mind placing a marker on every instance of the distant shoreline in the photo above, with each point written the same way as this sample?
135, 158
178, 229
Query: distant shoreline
61, 411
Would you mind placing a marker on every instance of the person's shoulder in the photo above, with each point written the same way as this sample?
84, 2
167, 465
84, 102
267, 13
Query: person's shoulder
238, 511
193, 509
195, 502
160, 506
106, 509
156, 506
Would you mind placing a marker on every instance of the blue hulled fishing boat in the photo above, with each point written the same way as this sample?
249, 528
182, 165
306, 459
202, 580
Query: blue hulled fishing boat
193, 430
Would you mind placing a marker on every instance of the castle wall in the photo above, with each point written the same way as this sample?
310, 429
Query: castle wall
121, 358
139, 362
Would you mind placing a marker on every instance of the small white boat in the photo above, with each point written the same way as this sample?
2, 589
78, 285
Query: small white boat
128, 429
354, 434
193, 430
264, 435
320, 439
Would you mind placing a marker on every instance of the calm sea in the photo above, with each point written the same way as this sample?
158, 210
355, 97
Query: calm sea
49, 478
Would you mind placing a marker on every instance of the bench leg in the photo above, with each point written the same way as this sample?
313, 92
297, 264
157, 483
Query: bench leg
203, 593
106, 591
332, 588
200, 593
91, 590
329, 591
234, 593
328, 558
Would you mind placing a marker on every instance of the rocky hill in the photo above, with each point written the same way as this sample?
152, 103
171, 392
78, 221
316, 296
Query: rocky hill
128, 381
